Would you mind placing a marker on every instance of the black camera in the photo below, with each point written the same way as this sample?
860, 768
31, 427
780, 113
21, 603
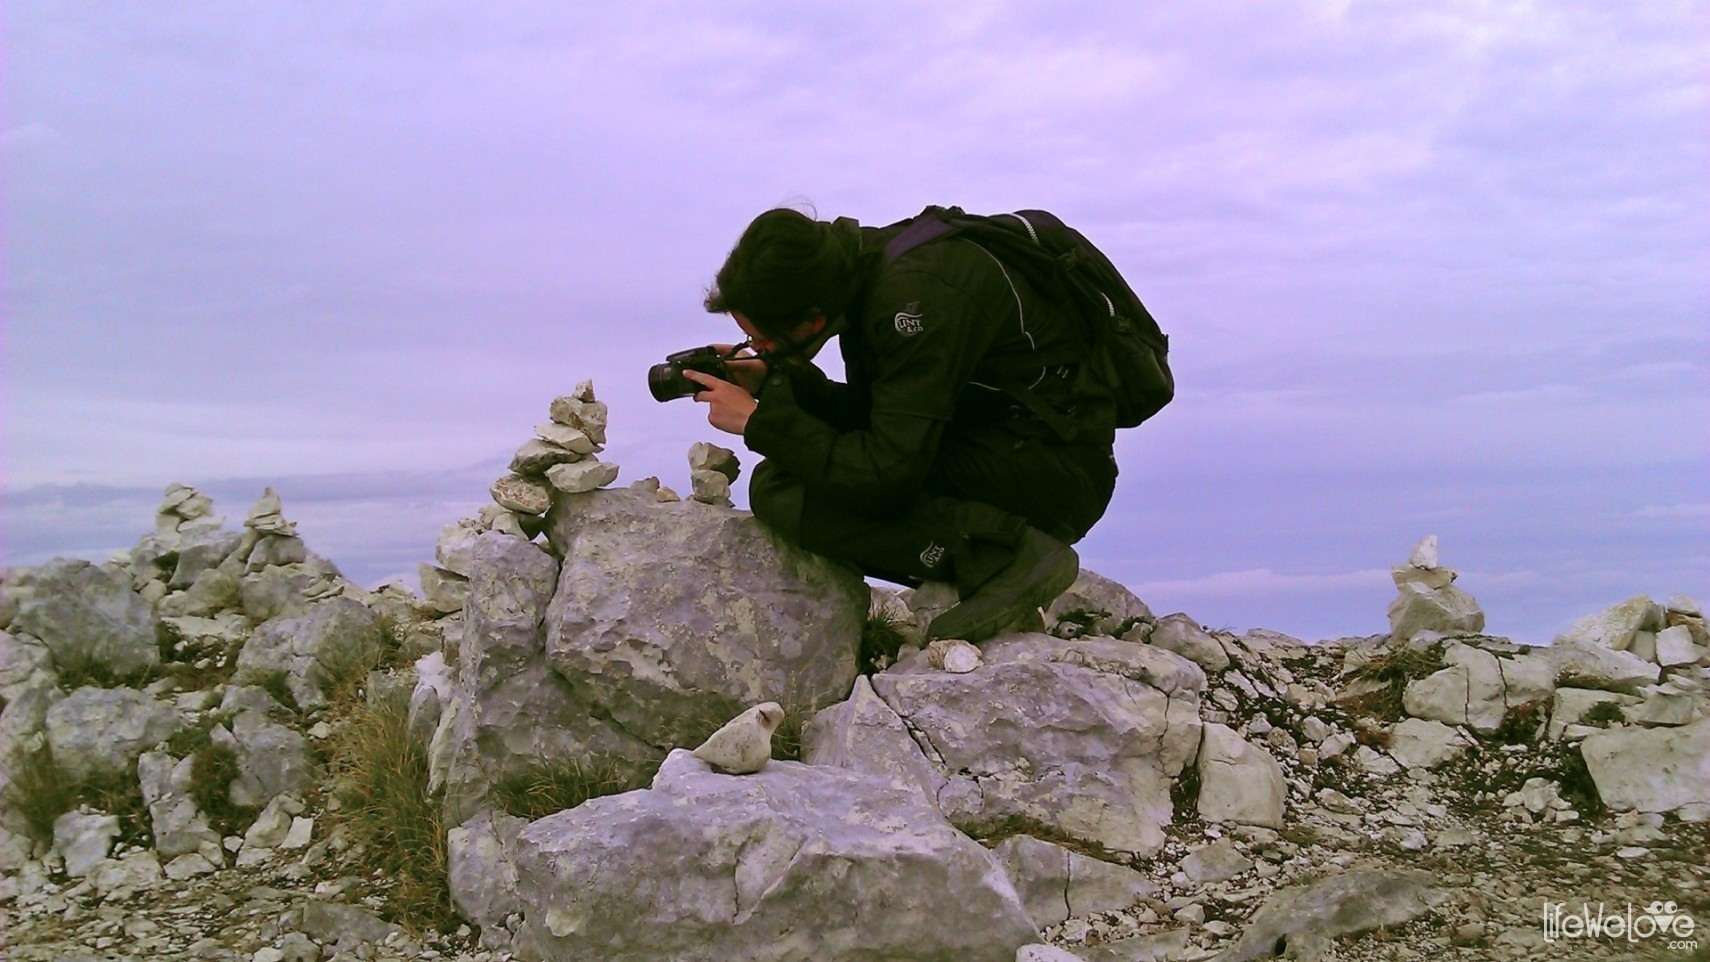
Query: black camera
667, 382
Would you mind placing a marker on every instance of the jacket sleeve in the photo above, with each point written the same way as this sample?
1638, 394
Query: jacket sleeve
830, 401
926, 337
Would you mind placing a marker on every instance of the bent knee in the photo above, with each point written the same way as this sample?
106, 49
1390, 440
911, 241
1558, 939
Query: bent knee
776, 499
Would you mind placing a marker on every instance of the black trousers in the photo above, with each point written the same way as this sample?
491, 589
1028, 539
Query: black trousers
984, 488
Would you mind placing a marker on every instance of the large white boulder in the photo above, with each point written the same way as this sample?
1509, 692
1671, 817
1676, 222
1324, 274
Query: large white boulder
1184, 636
670, 618
87, 613
1585, 664
203, 550
1614, 627
509, 710
1479, 689
1238, 781
1358, 900
273, 759
178, 827
102, 731
793, 863
83, 839
1056, 883
1081, 737
1111, 604
1418, 743
24, 664
1675, 648
309, 647
866, 734
482, 876
1651, 769
1419, 607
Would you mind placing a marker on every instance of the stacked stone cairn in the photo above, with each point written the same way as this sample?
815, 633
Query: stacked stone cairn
712, 470
1427, 599
562, 456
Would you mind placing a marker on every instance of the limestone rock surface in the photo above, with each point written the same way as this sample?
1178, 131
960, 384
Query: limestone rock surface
85, 612
1083, 736
749, 858
305, 647
1354, 901
101, 731
671, 618
1651, 769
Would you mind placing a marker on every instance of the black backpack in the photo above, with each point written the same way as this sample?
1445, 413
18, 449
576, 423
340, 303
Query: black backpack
1128, 360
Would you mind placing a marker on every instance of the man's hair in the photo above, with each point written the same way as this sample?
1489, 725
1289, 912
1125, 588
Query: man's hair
784, 268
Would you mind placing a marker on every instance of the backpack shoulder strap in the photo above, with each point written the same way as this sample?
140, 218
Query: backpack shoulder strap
928, 226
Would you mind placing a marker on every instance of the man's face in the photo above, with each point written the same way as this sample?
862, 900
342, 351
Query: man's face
805, 337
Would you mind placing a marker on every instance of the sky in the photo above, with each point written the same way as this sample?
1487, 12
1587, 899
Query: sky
1435, 267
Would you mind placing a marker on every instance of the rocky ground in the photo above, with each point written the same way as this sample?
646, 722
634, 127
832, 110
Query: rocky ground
216, 747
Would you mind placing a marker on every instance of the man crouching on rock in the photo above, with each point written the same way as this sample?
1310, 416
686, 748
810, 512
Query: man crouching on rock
923, 467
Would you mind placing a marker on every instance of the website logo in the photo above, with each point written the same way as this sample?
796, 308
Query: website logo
1659, 923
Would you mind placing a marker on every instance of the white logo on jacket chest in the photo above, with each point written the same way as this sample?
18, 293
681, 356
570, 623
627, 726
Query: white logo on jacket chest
908, 319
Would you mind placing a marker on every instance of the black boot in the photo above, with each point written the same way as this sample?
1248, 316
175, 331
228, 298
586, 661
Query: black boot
1041, 569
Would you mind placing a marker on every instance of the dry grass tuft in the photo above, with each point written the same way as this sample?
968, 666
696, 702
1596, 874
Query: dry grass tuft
380, 775
1392, 670
551, 787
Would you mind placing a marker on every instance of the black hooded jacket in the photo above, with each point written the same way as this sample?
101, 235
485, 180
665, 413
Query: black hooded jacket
930, 344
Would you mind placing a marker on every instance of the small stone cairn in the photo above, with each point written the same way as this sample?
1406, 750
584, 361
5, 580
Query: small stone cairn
712, 470
562, 457
1426, 598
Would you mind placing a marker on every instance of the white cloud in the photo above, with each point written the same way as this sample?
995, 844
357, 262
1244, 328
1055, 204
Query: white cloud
1253, 581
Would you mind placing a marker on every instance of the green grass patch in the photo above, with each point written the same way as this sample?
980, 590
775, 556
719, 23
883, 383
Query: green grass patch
1521, 724
1372, 737
1560, 762
551, 787
345, 668
277, 685
1603, 714
787, 737
1078, 621
881, 638
212, 769
1391, 671
1184, 794
219, 668
1134, 621
77, 669
42, 791
167, 641
191, 739
1573, 679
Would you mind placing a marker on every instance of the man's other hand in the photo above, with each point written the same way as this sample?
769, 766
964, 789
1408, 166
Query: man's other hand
746, 370
728, 405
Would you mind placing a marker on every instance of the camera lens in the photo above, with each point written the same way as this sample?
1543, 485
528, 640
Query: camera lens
667, 383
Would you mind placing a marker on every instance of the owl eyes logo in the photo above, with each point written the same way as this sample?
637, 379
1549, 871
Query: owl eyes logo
908, 320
